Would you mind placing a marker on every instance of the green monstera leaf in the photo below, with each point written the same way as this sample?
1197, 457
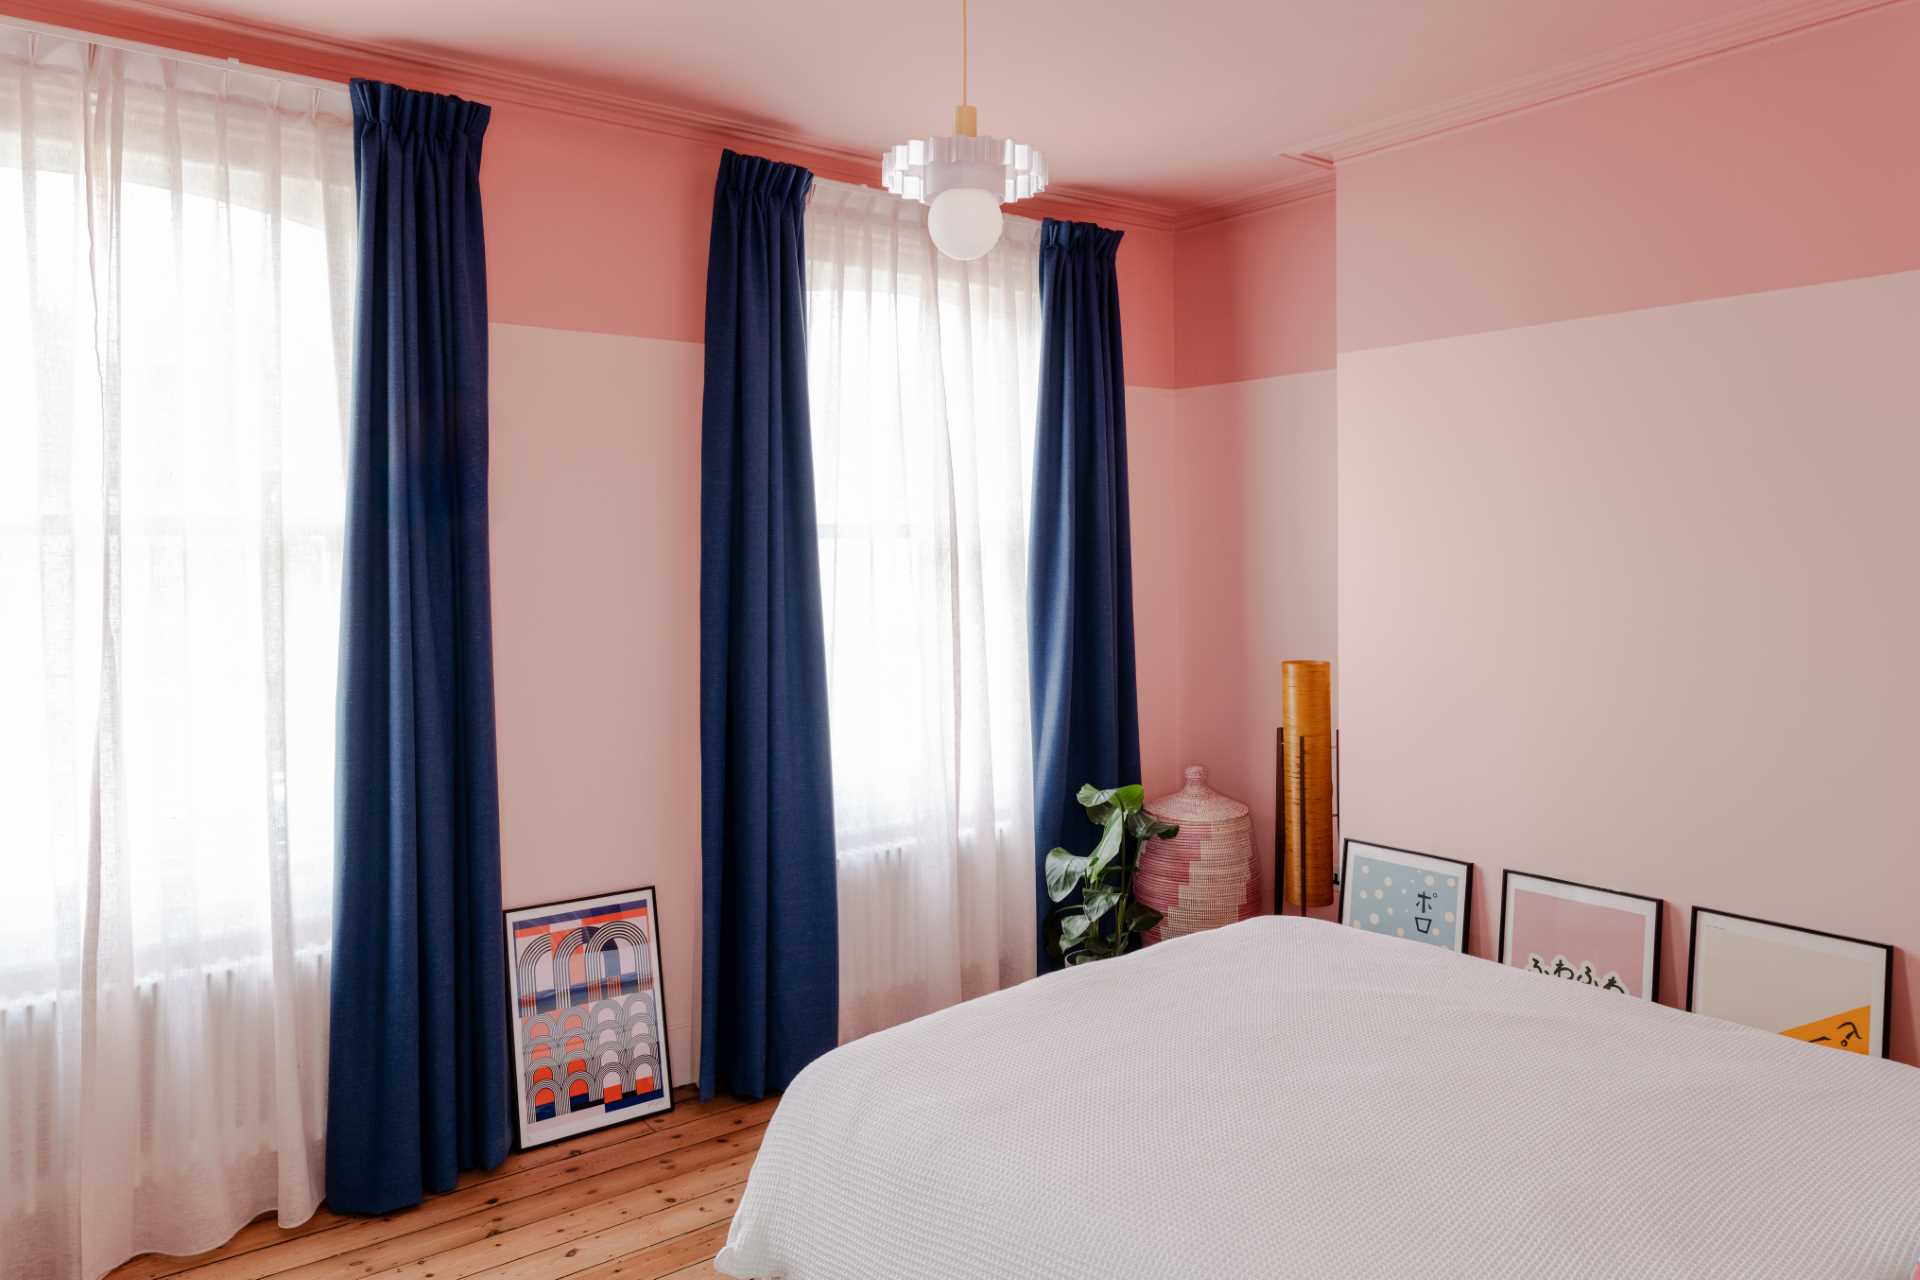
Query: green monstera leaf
1111, 842
1065, 871
1106, 920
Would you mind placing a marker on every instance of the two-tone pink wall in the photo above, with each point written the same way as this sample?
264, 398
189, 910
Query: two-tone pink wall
1234, 549
1605, 515
1616, 566
596, 259
597, 249
1629, 492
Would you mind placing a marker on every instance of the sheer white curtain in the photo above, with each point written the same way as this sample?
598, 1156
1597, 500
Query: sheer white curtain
924, 375
176, 259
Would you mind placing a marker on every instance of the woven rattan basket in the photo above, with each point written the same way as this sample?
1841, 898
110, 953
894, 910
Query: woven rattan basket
1203, 876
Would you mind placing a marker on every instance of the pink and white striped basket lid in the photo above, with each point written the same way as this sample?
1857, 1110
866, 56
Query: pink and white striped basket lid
1196, 803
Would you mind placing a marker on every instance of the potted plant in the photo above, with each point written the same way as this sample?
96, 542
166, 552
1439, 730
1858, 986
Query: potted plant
1106, 921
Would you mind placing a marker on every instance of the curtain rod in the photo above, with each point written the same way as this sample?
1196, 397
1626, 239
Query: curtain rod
177, 55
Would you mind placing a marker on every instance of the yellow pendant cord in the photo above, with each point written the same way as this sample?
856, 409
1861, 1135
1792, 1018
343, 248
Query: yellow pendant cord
965, 119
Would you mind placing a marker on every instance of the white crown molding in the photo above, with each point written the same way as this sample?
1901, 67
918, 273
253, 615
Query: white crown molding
1769, 20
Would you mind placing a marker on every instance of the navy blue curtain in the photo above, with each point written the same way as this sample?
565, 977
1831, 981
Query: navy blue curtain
418, 1078
770, 993
1086, 717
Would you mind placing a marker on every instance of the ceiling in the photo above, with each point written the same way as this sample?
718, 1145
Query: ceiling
1174, 104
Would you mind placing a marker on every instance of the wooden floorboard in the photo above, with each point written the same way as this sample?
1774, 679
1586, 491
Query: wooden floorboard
648, 1200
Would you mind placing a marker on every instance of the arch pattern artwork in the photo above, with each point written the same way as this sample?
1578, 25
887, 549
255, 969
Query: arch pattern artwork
590, 1043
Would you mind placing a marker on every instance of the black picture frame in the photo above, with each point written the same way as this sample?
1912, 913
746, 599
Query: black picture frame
521, 1123
1891, 952
1466, 885
1659, 919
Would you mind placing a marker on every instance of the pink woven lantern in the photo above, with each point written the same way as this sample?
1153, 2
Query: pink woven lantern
1203, 876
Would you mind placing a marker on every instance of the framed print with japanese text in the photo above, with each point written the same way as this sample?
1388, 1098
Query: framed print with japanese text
1823, 988
1404, 894
1580, 934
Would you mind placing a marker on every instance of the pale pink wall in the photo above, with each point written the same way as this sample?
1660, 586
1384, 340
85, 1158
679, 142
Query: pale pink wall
1256, 295
1254, 544
596, 603
1153, 444
1783, 164
1628, 600
1625, 587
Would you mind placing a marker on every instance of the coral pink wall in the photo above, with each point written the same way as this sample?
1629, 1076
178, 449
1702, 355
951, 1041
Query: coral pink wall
594, 225
1624, 587
603, 228
1256, 295
1783, 164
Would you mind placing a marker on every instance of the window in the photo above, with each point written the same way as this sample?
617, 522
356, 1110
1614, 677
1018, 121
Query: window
176, 266
923, 380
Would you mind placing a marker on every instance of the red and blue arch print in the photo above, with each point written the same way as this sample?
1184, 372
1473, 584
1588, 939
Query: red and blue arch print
586, 1013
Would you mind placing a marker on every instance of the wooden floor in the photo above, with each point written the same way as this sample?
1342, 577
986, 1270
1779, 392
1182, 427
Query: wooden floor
646, 1199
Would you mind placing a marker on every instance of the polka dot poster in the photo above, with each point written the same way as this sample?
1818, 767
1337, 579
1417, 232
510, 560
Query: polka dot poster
1405, 895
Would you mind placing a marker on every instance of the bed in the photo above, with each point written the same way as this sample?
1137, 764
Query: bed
1289, 1098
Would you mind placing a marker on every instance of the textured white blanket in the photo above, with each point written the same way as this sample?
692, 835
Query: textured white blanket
1289, 1098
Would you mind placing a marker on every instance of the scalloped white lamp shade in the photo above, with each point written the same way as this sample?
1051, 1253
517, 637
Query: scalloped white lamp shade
964, 180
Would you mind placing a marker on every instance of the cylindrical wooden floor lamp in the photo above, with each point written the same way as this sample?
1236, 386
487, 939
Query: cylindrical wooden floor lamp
1306, 785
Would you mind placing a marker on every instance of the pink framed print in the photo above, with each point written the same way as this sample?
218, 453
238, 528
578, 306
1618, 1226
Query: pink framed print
1577, 933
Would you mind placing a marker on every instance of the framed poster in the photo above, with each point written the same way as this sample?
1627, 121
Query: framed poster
1819, 987
1404, 894
588, 1019
1577, 933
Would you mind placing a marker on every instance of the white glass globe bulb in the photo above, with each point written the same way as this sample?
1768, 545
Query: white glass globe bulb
964, 222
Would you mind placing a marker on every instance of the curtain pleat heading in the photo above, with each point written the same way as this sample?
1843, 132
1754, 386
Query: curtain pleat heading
418, 1089
1086, 717
770, 948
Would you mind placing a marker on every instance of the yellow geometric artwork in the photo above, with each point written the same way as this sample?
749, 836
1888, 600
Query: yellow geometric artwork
1850, 1031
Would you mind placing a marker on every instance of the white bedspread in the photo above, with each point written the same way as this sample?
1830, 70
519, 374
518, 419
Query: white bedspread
1289, 1098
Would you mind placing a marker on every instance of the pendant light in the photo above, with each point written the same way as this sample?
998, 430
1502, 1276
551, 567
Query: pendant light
963, 180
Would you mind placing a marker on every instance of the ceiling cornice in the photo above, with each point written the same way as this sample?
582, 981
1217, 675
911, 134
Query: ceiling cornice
1769, 20
1314, 159
1313, 180
285, 49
